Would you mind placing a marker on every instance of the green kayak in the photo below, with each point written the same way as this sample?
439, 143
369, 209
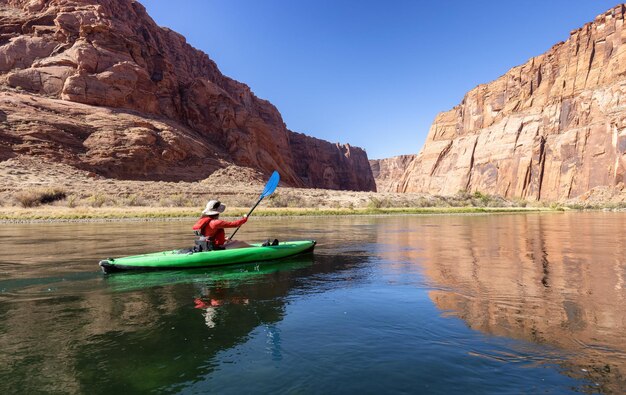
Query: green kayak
176, 260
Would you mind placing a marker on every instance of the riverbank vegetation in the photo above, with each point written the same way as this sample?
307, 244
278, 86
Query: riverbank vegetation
288, 197
105, 199
52, 213
37, 205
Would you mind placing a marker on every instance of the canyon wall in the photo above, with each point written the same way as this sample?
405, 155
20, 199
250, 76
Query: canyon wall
323, 163
388, 172
98, 85
550, 129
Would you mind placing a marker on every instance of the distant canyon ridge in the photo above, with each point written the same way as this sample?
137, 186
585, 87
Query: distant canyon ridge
97, 85
551, 129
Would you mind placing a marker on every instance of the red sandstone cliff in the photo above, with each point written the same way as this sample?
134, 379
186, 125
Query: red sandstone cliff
550, 129
388, 172
332, 165
98, 85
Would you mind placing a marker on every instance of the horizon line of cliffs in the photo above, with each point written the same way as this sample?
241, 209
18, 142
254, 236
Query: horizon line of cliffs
550, 129
98, 85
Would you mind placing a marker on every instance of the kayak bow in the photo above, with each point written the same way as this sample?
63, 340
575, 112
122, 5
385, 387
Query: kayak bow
175, 260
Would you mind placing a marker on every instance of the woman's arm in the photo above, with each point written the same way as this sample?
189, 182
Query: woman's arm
220, 224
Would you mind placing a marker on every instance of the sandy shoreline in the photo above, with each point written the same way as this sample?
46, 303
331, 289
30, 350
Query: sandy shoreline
109, 214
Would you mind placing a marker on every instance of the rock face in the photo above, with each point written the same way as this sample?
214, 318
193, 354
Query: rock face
111, 142
106, 89
388, 172
332, 165
550, 129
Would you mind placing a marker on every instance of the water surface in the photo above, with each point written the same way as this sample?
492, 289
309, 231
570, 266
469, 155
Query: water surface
520, 303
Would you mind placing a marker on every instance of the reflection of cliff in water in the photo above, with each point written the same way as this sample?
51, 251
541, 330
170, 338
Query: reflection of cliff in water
556, 279
104, 341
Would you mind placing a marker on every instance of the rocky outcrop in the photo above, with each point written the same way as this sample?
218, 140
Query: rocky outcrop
114, 143
388, 172
323, 163
179, 117
550, 129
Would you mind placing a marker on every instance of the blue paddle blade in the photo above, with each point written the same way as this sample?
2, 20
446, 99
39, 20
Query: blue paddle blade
271, 185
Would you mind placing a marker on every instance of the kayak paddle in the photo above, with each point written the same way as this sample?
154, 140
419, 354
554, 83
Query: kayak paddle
270, 187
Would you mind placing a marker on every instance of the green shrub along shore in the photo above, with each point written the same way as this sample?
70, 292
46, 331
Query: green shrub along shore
112, 214
56, 204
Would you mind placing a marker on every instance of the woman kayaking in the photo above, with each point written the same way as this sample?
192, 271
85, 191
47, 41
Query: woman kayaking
211, 229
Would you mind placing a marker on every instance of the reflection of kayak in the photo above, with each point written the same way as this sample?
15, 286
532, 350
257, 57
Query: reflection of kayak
176, 260
140, 279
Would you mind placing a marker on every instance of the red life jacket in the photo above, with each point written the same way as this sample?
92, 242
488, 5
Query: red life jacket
209, 239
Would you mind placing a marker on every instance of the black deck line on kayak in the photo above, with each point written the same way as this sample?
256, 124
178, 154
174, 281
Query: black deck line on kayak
108, 267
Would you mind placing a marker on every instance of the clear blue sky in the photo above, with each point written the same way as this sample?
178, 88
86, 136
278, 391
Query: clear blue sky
370, 73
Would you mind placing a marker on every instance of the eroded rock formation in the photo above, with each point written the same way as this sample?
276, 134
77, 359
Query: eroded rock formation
323, 163
106, 89
388, 172
550, 129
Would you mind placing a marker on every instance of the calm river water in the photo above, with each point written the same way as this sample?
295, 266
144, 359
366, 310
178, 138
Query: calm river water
501, 304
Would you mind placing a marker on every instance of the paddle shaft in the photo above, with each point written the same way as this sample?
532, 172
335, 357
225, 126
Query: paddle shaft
249, 213
271, 185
